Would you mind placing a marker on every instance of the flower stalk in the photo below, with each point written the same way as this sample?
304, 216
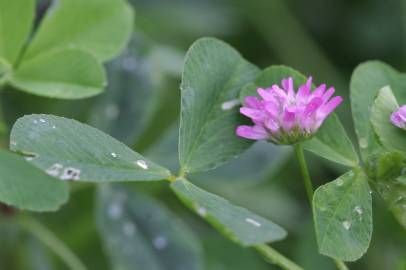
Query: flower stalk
276, 258
310, 190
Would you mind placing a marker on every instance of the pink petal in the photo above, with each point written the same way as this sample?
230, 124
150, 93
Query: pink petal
319, 91
279, 93
312, 106
271, 124
252, 102
253, 113
265, 94
253, 133
272, 108
328, 107
288, 119
304, 91
397, 120
329, 93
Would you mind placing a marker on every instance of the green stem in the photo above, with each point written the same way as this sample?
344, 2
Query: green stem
309, 188
305, 172
275, 257
340, 265
50, 240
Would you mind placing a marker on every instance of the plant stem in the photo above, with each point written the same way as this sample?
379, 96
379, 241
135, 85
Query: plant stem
275, 257
309, 188
340, 265
50, 240
305, 172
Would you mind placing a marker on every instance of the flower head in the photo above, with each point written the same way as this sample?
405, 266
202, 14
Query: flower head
284, 116
398, 118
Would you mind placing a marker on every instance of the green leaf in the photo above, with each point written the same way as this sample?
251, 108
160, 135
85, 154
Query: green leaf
343, 216
132, 95
101, 27
69, 74
389, 135
367, 79
388, 171
236, 223
16, 18
68, 149
140, 233
214, 74
331, 141
27, 188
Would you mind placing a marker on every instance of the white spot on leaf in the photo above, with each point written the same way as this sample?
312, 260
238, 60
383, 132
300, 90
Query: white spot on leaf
54, 170
42, 120
339, 182
363, 143
228, 105
114, 155
70, 173
141, 163
253, 222
347, 224
358, 210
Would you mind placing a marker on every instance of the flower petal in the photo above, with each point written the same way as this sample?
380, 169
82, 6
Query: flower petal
253, 133
254, 114
252, 102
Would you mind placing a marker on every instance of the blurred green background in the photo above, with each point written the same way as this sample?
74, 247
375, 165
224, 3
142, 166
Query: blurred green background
323, 38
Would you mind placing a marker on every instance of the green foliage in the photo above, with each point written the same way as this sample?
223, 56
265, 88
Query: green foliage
387, 169
214, 74
63, 59
16, 19
343, 216
331, 141
391, 137
101, 27
66, 73
237, 223
68, 149
132, 95
140, 233
367, 79
26, 187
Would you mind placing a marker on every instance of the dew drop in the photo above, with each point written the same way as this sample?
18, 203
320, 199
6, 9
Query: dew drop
53, 127
42, 120
129, 229
228, 105
35, 122
363, 143
29, 158
253, 222
160, 242
141, 163
358, 210
114, 155
347, 224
